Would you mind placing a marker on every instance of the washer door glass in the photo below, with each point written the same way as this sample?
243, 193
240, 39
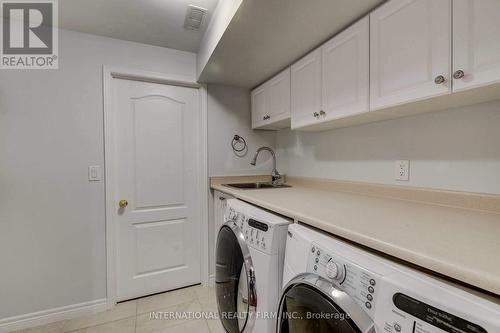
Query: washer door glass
231, 283
306, 309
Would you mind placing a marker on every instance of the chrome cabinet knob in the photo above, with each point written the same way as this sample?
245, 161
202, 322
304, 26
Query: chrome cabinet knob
316, 115
322, 113
266, 117
439, 79
458, 74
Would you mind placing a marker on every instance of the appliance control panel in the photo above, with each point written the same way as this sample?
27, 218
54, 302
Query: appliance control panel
402, 309
359, 283
258, 234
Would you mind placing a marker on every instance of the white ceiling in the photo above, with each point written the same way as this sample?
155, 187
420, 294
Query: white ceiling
265, 36
155, 22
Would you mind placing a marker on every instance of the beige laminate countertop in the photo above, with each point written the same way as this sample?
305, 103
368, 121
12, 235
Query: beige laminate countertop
461, 243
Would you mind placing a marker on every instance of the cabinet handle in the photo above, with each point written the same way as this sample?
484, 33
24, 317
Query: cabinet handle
439, 79
316, 115
266, 117
222, 198
322, 113
458, 74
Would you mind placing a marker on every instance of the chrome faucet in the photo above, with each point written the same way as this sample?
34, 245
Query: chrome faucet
275, 175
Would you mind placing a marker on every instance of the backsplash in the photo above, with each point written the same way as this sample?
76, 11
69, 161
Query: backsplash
458, 149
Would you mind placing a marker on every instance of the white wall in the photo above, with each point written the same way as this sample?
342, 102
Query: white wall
223, 14
454, 149
229, 114
52, 228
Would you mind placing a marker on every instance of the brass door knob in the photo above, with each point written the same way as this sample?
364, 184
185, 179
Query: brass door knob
123, 203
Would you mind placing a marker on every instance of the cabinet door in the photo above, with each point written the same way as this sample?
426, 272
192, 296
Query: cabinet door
476, 41
306, 89
410, 47
258, 101
345, 71
278, 96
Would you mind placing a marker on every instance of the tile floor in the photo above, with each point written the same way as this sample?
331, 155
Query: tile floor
134, 316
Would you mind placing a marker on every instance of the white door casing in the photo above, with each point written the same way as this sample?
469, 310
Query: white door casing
154, 160
410, 45
476, 42
345, 72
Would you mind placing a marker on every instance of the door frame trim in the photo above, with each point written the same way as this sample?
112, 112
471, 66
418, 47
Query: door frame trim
109, 73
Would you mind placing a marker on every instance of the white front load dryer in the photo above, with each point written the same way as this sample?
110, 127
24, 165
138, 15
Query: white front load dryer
333, 286
249, 267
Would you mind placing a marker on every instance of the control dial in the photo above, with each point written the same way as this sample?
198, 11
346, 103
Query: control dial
232, 215
332, 270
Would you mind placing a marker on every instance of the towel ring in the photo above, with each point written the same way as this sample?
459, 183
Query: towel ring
238, 143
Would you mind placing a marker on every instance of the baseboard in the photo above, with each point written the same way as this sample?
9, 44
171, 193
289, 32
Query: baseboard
52, 315
211, 280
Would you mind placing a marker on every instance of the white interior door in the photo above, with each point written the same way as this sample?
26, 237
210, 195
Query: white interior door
155, 169
476, 42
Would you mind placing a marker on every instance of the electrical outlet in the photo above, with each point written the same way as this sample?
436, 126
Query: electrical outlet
403, 170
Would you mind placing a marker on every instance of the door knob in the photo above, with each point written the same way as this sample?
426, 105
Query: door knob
439, 79
458, 74
123, 203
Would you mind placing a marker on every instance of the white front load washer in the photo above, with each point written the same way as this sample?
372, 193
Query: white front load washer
333, 286
249, 267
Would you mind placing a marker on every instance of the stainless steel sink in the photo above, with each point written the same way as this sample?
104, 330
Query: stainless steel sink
255, 186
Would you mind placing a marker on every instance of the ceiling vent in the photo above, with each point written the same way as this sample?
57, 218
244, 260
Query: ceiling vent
194, 17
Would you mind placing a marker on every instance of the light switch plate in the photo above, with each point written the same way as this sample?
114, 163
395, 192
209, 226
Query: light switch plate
402, 170
94, 173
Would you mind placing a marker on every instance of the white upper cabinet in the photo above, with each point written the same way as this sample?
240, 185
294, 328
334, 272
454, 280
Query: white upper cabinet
332, 82
271, 103
476, 41
393, 62
306, 90
278, 92
345, 72
258, 105
410, 44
